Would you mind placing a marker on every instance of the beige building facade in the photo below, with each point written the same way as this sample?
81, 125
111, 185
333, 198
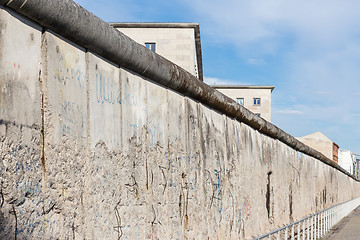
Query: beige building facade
321, 143
255, 98
178, 42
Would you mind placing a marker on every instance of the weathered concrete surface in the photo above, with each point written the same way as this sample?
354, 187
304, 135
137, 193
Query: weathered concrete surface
75, 23
126, 158
65, 136
20, 128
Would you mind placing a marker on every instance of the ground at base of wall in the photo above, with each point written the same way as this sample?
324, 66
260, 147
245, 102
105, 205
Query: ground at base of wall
345, 228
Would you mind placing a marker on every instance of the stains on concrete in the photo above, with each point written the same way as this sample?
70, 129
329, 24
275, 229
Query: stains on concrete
291, 204
42, 138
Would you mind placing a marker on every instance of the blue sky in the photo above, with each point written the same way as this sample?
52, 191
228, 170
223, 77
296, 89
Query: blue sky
308, 50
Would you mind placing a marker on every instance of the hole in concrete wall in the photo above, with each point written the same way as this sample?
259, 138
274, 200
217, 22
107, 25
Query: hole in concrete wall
268, 194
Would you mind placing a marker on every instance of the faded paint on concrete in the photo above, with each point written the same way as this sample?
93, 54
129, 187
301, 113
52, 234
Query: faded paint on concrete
104, 101
64, 71
205, 176
133, 97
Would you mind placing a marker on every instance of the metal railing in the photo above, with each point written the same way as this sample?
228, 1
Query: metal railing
316, 225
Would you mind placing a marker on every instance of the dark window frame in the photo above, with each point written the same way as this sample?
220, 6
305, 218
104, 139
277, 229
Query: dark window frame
240, 101
151, 46
257, 101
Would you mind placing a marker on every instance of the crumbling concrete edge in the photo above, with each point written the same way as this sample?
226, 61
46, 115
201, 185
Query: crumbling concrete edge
78, 25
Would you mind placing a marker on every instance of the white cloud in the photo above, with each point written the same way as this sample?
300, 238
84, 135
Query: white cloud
317, 45
215, 81
289, 111
256, 61
241, 22
320, 92
218, 81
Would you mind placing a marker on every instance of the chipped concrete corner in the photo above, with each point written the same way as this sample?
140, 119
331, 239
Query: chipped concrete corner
92, 150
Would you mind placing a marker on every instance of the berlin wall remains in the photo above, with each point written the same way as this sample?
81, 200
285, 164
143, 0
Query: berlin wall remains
91, 150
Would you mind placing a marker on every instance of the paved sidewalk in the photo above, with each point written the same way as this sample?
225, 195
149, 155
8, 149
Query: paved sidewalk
348, 229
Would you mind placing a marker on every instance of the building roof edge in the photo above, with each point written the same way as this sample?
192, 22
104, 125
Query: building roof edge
195, 26
243, 87
153, 25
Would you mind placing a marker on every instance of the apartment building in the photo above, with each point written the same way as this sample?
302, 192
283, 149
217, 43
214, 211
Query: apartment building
255, 98
178, 42
321, 143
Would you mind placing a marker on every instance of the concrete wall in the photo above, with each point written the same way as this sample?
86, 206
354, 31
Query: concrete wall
90, 150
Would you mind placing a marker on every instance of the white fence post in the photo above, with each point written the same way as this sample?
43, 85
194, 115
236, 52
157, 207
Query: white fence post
316, 225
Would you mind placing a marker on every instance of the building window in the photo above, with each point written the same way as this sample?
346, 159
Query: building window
150, 46
240, 101
258, 114
257, 101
